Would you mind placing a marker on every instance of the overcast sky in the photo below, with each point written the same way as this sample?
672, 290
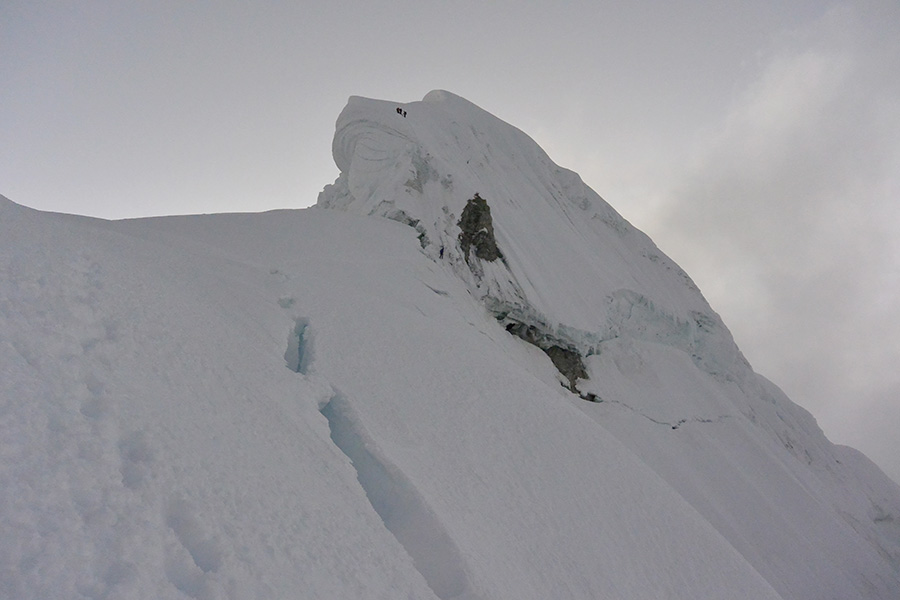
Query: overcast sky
757, 142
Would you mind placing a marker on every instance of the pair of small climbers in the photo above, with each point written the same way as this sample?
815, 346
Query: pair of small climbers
400, 111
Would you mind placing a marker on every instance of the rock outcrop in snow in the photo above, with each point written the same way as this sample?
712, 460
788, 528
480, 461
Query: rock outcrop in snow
476, 231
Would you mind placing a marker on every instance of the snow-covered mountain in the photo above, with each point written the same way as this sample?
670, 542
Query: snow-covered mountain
461, 375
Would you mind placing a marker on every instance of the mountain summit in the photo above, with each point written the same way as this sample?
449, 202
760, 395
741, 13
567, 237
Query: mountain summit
563, 262
461, 375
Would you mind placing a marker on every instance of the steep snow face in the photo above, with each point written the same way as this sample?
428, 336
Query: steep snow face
570, 275
569, 265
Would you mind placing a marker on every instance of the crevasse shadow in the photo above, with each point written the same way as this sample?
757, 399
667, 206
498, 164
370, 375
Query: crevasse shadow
402, 508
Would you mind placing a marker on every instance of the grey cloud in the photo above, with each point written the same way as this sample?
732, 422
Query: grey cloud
787, 220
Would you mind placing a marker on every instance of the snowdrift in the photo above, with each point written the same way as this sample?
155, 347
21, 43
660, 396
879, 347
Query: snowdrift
354, 401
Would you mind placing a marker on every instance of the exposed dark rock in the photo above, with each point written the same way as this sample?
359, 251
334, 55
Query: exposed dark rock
568, 362
477, 231
529, 333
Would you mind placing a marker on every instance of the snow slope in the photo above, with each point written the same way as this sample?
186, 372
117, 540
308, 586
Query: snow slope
319, 404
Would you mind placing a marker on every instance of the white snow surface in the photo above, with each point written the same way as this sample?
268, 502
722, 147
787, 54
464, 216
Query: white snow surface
316, 404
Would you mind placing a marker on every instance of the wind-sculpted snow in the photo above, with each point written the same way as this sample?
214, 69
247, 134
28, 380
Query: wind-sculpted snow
375, 156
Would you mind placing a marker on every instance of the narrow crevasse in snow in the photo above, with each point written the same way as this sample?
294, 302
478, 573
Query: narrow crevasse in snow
298, 354
404, 511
